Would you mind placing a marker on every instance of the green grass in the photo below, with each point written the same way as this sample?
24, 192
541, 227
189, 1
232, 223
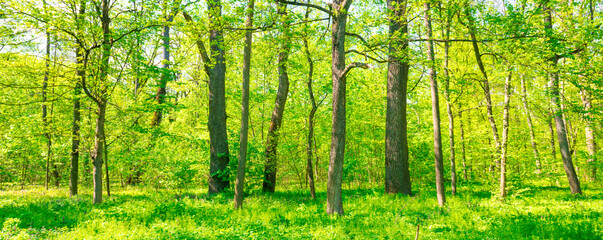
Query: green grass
530, 212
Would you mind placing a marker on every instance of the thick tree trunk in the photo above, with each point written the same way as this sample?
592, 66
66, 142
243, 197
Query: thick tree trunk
558, 114
270, 167
97, 154
505, 136
397, 175
530, 125
591, 145
435, 106
240, 182
218, 138
310, 139
338, 75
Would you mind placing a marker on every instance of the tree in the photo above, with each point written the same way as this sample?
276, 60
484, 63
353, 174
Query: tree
240, 182
397, 175
214, 65
310, 138
505, 136
435, 106
276, 121
556, 102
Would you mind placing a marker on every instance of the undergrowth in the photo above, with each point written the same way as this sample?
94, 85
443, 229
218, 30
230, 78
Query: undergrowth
530, 212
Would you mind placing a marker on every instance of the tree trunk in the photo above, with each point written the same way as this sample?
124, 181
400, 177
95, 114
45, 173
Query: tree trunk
485, 83
463, 144
101, 103
97, 154
106, 154
338, 75
270, 167
45, 107
310, 139
453, 178
505, 136
552, 133
397, 175
591, 145
166, 74
556, 104
530, 125
218, 138
435, 106
240, 182
75, 129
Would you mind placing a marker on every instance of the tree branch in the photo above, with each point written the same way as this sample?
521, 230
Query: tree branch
322, 9
200, 44
350, 66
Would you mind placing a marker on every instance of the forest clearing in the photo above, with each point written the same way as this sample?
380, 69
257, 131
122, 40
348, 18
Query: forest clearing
301, 119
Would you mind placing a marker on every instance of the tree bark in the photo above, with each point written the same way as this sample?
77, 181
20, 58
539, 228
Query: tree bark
106, 154
166, 74
463, 144
556, 104
270, 167
453, 177
310, 139
240, 182
338, 75
101, 103
485, 83
397, 175
218, 138
45, 106
530, 125
75, 129
505, 136
435, 106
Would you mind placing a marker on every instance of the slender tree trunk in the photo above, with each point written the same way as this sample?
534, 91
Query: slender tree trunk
338, 75
166, 74
453, 178
530, 125
310, 139
552, 134
591, 145
485, 83
435, 106
269, 183
45, 107
397, 175
505, 136
101, 103
556, 103
240, 182
106, 154
463, 144
75, 129
218, 138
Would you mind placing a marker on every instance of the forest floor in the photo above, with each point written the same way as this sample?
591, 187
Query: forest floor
530, 212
